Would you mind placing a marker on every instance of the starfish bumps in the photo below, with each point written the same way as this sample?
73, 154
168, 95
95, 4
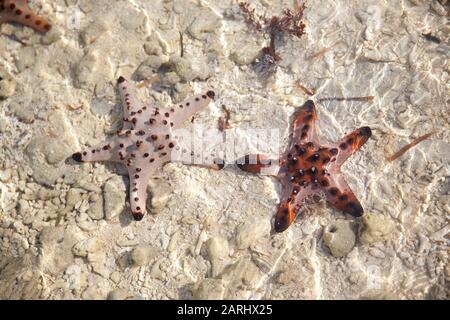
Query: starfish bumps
18, 11
307, 168
146, 140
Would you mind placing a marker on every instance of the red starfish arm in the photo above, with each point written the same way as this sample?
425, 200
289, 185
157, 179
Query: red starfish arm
351, 143
182, 111
340, 195
19, 11
305, 124
259, 163
140, 172
291, 200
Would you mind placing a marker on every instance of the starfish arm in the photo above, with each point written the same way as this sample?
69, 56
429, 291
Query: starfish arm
259, 163
340, 195
180, 112
105, 151
351, 143
140, 172
135, 113
305, 124
18, 11
291, 200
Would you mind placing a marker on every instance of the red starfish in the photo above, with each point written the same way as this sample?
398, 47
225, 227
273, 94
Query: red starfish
308, 168
19, 11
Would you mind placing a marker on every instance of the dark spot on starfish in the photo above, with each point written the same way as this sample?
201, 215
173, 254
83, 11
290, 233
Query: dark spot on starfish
305, 128
128, 132
136, 199
106, 147
12, 6
334, 151
181, 106
120, 80
18, 12
146, 155
211, 94
93, 151
77, 157
160, 147
164, 154
133, 155
27, 16
343, 146
343, 197
152, 121
139, 111
138, 143
167, 136
121, 145
301, 151
309, 105
333, 191
154, 137
135, 189
132, 113
350, 141
354, 209
140, 132
187, 104
85, 153
165, 122
171, 145
151, 160
138, 215
365, 131
314, 157
171, 124
324, 183
136, 176
204, 96
197, 99
138, 169
172, 110
167, 114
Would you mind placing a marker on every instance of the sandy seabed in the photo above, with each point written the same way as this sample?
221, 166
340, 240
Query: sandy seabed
66, 230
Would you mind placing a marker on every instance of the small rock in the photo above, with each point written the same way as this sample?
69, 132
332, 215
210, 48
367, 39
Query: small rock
7, 86
206, 21
340, 238
114, 195
93, 31
96, 207
23, 113
191, 68
376, 228
141, 255
250, 231
84, 247
118, 294
246, 54
218, 252
209, 289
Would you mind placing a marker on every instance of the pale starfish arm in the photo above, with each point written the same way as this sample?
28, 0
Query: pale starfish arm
351, 143
132, 106
140, 173
305, 124
105, 151
259, 163
340, 195
180, 112
18, 11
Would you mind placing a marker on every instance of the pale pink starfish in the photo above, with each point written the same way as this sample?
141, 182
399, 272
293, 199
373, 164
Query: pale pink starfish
146, 141
308, 168
18, 11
